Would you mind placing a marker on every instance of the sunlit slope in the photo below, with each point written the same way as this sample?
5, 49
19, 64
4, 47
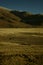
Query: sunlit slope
17, 19
8, 20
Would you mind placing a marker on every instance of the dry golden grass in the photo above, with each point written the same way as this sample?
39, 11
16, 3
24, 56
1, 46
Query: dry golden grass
15, 51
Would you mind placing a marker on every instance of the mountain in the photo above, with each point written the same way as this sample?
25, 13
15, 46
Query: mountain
19, 19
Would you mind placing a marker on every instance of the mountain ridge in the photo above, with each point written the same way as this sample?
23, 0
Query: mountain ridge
19, 19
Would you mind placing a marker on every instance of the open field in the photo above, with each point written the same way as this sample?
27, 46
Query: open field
19, 46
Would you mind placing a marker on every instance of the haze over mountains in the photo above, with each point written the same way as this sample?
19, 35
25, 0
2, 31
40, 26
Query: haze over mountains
19, 19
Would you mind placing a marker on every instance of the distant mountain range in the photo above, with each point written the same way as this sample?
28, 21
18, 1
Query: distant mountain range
19, 19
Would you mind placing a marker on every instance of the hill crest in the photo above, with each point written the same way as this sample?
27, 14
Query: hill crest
18, 19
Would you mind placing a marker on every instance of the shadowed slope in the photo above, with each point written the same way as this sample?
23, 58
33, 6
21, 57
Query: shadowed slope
28, 18
8, 20
17, 19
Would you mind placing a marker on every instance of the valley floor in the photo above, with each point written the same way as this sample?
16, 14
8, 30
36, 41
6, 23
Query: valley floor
21, 46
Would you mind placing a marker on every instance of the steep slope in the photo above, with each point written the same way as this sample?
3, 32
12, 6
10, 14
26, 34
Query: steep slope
17, 19
9, 20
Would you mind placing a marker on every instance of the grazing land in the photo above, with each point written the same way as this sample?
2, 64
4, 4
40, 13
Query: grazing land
21, 46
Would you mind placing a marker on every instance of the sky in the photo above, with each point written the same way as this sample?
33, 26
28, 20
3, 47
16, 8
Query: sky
33, 6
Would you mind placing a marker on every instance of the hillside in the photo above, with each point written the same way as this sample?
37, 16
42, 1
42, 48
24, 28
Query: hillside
17, 19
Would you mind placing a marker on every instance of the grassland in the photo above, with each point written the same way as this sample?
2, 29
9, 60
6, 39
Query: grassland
19, 46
